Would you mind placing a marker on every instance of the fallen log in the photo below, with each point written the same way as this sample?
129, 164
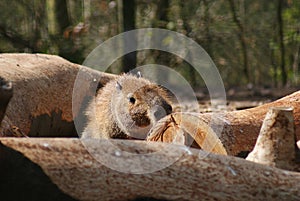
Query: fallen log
237, 130
192, 174
43, 89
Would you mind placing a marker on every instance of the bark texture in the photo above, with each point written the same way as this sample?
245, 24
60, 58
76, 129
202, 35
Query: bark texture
276, 143
43, 91
191, 174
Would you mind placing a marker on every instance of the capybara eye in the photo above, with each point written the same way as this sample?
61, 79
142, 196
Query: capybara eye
130, 97
132, 100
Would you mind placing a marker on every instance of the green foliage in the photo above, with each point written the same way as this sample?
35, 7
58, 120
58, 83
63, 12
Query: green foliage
73, 28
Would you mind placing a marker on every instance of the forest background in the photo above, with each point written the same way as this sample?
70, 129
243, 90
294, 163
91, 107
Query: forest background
253, 43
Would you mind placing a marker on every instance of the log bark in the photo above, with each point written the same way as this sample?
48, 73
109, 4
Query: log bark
236, 130
43, 92
192, 175
276, 143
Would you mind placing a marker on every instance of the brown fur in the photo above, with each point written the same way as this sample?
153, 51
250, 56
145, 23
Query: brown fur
127, 107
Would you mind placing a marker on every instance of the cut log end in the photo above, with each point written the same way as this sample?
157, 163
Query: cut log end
276, 143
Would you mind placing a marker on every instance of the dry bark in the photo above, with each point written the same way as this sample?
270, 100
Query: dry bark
192, 175
43, 89
237, 130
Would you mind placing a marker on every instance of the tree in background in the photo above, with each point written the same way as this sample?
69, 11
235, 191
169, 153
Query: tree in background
249, 41
281, 42
241, 37
128, 21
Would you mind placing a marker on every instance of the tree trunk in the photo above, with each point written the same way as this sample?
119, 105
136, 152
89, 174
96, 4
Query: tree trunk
39, 27
209, 38
242, 38
61, 15
281, 42
274, 64
188, 29
130, 41
161, 21
296, 63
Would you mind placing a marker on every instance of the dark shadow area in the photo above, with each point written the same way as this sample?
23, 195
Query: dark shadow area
6, 93
52, 126
21, 179
243, 154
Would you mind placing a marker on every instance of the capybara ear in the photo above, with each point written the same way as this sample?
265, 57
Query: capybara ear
118, 86
139, 74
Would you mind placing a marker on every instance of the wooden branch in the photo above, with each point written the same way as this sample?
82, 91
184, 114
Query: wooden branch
276, 143
43, 89
184, 128
237, 130
192, 175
